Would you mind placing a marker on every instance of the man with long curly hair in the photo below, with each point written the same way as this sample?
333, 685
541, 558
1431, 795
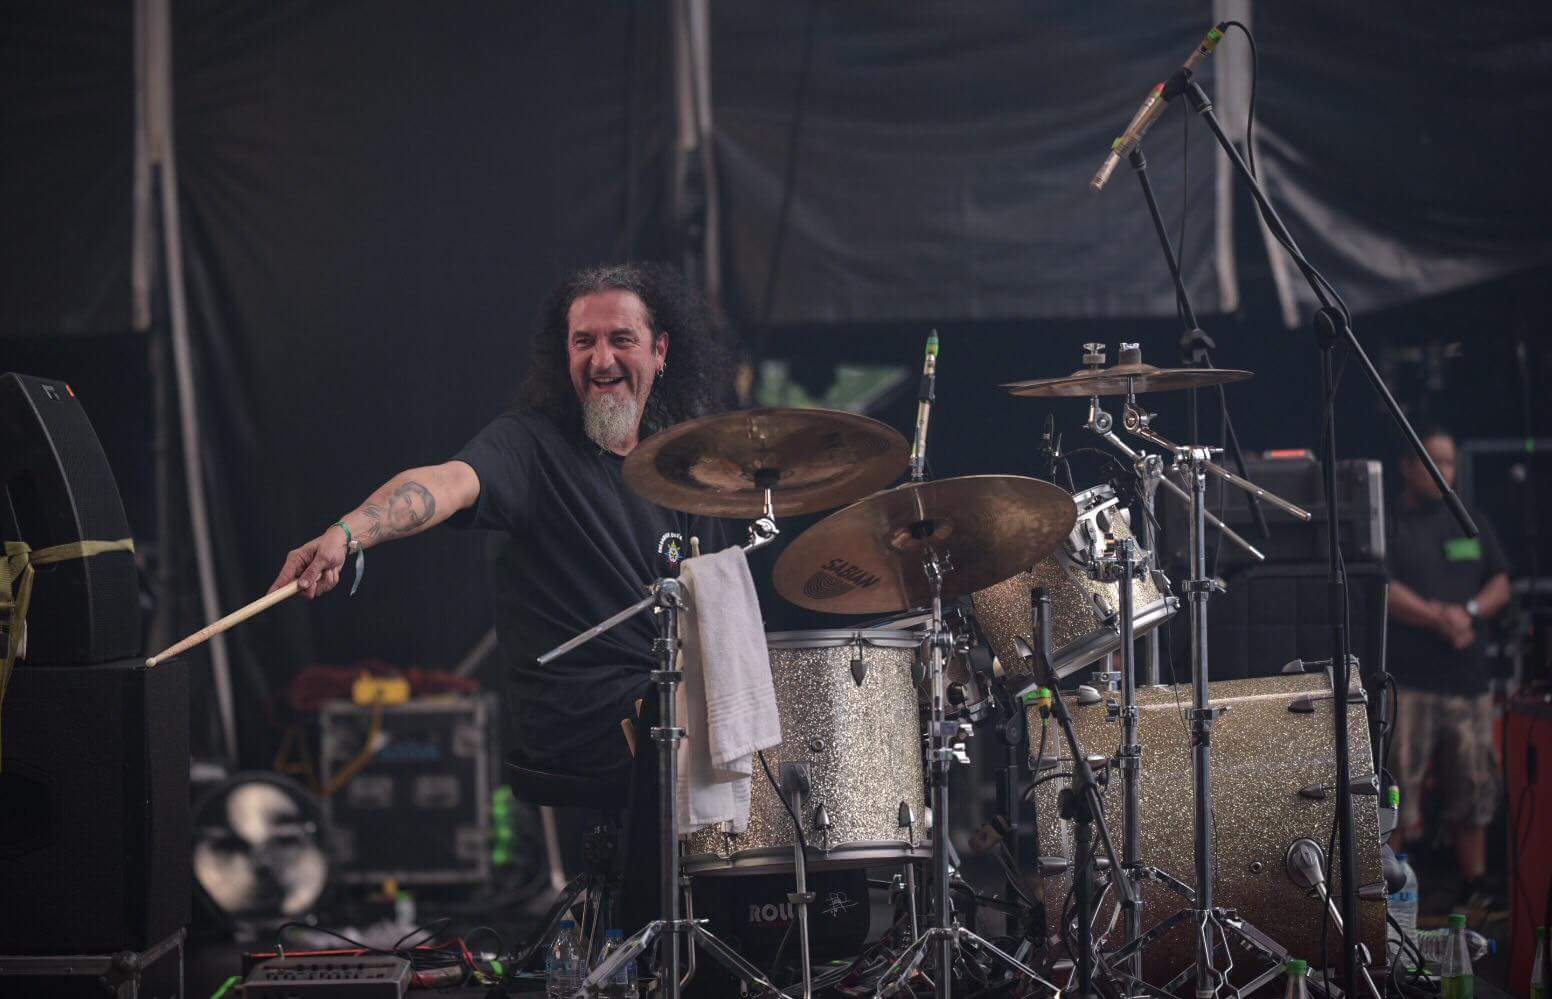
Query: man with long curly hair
571, 542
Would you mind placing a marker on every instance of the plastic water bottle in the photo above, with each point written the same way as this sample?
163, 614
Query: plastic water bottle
1297, 971
1403, 909
1433, 944
1538, 973
622, 984
563, 966
1455, 978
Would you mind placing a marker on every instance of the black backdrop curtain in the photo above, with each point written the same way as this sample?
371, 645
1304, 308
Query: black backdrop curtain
376, 195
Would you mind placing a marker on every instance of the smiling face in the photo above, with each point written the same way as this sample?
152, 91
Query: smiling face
614, 359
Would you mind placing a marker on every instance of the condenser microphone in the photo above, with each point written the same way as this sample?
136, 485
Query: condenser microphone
924, 398
1152, 107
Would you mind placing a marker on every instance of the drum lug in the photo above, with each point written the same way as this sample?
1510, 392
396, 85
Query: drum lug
905, 818
859, 667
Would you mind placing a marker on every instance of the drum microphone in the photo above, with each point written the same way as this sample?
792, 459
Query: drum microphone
1152, 108
924, 396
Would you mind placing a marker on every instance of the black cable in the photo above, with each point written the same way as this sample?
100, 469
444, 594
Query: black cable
440, 924
1250, 117
501, 945
797, 826
789, 174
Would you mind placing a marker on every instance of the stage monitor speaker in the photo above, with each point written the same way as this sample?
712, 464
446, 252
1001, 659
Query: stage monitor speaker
94, 808
1360, 514
1273, 614
58, 488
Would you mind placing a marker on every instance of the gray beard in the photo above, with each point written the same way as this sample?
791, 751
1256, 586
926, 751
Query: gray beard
609, 421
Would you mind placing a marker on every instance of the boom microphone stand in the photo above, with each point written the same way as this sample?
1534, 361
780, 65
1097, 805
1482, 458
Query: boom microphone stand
1195, 344
1081, 802
1331, 326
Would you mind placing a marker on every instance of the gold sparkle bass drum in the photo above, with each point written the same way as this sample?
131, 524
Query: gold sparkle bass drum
1273, 763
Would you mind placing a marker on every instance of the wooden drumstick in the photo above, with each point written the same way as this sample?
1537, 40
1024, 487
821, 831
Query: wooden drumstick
236, 617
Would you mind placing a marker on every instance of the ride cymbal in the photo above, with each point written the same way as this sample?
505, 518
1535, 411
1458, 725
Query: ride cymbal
810, 459
868, 558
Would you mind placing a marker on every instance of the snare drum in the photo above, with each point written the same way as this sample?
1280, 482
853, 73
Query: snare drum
848, 707
1085, 613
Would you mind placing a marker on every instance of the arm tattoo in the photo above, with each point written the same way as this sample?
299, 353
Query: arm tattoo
408, 508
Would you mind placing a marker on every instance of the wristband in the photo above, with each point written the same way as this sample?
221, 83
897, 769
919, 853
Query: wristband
353, 546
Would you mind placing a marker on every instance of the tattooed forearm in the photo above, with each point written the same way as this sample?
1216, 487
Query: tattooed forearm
408, 508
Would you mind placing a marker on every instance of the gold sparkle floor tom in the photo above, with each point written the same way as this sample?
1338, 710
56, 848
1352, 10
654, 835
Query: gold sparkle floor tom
848, 706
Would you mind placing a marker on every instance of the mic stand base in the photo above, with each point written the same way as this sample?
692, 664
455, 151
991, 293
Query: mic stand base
897, 976
598, 980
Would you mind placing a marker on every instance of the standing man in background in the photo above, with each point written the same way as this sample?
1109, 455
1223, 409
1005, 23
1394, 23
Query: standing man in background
1443, 587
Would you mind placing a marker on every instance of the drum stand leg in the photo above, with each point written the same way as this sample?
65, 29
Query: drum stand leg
1125, 566
1080, 802
1202, 912
942, 938
796, 783
667, 601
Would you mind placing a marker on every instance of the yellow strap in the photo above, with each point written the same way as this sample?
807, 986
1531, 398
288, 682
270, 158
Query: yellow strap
16, 576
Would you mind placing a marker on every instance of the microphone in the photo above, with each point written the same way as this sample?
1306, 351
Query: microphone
924, 398
1152, 108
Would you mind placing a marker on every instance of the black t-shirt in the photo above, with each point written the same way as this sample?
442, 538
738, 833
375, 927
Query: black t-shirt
1429, 553
572, 545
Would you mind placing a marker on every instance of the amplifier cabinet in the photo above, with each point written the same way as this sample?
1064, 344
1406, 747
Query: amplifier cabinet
411, 789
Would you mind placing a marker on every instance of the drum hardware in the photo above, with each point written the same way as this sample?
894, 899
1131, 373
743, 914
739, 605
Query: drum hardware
1150, 471
1196, 463
944, 937
1305, 864
666, 600
795, 783
1084, 605
1080, 802
1331, 325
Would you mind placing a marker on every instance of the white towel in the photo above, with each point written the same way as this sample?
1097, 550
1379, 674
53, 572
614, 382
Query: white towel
727, 704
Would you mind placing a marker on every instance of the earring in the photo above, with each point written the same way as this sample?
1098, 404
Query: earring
662, 368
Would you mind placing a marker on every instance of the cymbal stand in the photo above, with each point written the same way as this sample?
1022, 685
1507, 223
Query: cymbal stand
943, 937
1150, 467
1195, 462
666, 600
1120, 567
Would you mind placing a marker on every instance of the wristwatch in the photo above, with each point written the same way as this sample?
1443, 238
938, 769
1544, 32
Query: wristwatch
1472, 609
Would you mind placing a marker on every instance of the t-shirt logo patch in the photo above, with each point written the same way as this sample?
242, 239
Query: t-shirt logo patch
1463, 550
671, 547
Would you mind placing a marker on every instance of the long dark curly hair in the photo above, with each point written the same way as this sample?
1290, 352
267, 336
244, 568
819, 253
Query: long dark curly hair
697, 380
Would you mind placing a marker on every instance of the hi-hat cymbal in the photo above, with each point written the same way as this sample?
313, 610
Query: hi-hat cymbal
868, 558
1120, 379
811, 459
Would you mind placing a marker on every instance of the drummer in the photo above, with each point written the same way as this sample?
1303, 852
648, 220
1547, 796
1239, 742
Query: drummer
571, 543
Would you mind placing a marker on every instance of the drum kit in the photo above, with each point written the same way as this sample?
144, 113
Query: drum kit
1224, 807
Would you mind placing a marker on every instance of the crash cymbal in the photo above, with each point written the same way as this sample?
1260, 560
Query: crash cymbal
867, 558
811, 459
1119, 379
